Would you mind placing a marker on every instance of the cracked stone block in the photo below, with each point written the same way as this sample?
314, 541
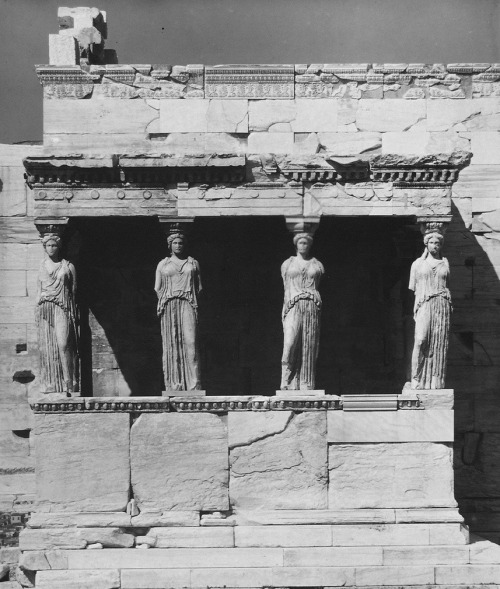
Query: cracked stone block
448, 141
350, 144
482, 114
76, 119
82, 462
384, 475
300, 116
63, 50
41, 560
271, 116
180, 461
389, 115
227, 116
279, 465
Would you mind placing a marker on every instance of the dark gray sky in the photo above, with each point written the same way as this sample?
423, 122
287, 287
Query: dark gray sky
244, 31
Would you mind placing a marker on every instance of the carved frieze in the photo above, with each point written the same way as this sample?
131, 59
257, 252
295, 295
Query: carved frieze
240, 81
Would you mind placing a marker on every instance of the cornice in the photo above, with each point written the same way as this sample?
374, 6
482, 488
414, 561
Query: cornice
77, 171
284, 81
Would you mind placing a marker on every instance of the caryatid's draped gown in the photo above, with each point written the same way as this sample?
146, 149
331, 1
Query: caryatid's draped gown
178, 290
56, 320
432, 322
301, 322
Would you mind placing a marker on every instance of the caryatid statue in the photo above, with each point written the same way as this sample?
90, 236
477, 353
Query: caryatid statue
429, 280
301, 316
178, 286
57, 320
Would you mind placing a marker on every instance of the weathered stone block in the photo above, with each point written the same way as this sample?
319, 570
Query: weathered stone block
292, 535
9, 555
450, 515
82, 462
448, 141
270, 142
63, 50
390, 426
300, 116
189, 143
227, 116
292, 517
389, 115
405, 143
43, 560
416, 555
50, 539
391, 475
464, 115
313, 576
446, 534
483, 552
180, 461
436, 399
17, 484
244, 430
79, 520
336, 556
155, 578
468, 574
183, 116
150, 519
350, 144
234, 577
174, 558
193, 537
47, 539
485, 146
271, 116
283, 471
381, 535
396, 575
90, 580
66, 117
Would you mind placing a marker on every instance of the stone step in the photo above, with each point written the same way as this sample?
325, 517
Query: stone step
419, 577
259, 536
481, 552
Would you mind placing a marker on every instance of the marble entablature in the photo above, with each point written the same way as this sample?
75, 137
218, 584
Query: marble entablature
317, 81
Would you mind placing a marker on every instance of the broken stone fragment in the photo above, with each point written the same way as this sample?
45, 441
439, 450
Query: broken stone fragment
63, 50
88, 27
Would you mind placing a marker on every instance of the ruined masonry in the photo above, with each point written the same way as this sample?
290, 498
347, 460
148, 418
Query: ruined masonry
368, 485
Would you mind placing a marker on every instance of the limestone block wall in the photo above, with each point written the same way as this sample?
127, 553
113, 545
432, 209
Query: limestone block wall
20, 255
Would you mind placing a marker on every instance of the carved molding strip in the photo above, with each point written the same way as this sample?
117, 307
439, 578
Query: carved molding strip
388, 402
103, 405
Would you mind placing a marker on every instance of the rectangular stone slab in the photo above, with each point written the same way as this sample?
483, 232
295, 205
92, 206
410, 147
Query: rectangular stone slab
180, 461
381, 475
396, 426
278, 461
82, 462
